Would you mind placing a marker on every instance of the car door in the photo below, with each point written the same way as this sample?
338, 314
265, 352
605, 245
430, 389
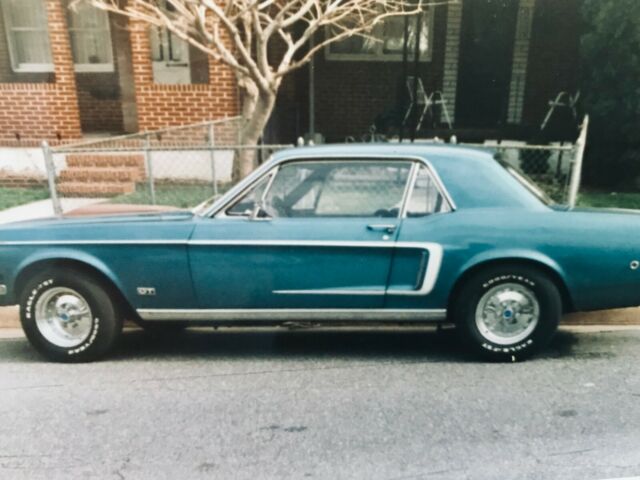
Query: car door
417, 260
310, 234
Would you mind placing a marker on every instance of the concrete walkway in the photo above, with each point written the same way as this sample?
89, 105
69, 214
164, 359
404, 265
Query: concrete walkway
43, 209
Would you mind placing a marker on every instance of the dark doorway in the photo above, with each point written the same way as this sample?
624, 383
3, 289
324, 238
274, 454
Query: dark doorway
486, 51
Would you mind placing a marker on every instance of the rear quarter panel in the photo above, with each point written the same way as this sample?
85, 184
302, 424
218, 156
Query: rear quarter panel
590, 252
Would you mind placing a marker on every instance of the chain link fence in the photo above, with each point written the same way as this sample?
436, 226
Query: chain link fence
181, 167
556, 169
175, 167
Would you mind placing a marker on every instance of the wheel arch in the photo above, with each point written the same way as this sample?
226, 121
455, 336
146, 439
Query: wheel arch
94, 269
549, 268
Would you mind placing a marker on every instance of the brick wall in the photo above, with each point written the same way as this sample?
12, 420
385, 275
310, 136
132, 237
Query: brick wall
351, 94
162, 105
37, 111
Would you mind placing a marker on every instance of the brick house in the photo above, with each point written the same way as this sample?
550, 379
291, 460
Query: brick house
497, 63
64, 74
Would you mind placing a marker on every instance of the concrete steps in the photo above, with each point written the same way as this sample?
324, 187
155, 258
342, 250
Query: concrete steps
92, 175
95, 189
100, 174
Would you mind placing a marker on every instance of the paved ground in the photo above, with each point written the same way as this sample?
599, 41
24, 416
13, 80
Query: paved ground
323, 405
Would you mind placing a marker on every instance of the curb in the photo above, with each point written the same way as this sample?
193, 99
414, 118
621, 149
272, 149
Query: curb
9, 318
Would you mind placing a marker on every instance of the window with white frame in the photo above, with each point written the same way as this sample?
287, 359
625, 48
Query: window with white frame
169, 57
90, 36
25, 24
167, 47
386, 41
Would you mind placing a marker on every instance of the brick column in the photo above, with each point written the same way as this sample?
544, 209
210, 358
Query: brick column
451, 57
63, 109
520, 61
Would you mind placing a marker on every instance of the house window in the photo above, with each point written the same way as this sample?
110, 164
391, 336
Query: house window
170, 57
27, 35
90, 39
386, 41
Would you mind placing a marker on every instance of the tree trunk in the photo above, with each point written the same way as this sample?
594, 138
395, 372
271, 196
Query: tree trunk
257, 106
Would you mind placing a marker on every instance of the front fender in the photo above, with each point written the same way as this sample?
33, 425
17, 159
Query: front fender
65, 254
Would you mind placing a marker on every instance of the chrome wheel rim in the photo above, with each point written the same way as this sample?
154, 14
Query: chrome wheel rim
63, 317
507, 313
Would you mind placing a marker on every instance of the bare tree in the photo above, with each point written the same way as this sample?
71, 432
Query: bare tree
244, 34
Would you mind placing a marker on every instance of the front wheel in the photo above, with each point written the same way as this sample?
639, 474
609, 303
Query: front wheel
507, 312
68, 316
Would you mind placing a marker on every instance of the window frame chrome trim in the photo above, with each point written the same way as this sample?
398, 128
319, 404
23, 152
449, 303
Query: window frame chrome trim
223, 203
224, 214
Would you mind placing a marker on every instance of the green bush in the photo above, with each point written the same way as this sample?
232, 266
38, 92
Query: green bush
610, 85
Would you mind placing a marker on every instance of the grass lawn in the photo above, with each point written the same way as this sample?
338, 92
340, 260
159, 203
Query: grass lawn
612, 200
181, 196
12, 197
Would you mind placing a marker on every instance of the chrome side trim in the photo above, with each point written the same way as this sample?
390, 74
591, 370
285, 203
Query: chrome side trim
332, 291
265, 315
433, 269
428, 282
3, 289
303, 243
93, 242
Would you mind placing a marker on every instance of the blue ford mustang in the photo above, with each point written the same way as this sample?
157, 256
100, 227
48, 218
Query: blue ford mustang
366, 234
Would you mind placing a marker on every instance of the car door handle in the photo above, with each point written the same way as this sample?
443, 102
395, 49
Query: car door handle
385, 227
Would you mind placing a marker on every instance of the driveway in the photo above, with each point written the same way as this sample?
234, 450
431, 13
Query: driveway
323, 405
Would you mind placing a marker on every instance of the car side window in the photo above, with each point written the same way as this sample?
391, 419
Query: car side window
338, 189
247, 203
426, 197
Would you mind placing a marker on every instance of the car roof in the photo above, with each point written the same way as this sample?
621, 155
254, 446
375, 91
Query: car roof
426, 150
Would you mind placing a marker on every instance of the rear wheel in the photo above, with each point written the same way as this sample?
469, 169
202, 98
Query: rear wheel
507, 312
68, 316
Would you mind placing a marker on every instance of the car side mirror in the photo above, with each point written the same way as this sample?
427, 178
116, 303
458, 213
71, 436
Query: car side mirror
259, 213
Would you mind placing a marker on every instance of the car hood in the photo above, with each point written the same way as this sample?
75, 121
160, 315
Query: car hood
75, 220
157, 226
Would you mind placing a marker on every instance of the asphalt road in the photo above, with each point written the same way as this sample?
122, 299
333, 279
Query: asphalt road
322, 405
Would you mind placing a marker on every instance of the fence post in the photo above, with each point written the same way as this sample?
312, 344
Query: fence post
576, 172
51, 178
147, 158
212, 155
